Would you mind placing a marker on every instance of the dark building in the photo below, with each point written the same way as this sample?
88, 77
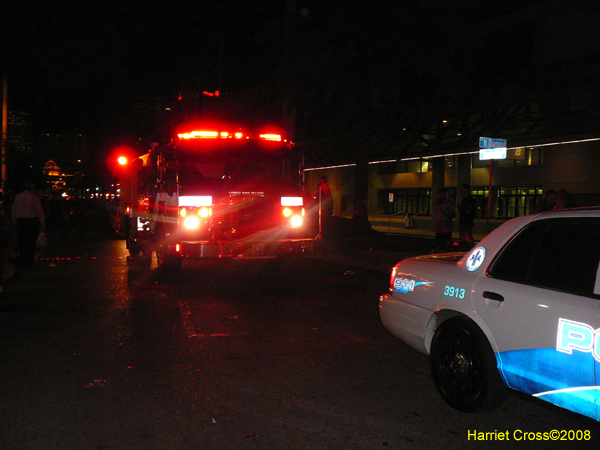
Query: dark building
527, 73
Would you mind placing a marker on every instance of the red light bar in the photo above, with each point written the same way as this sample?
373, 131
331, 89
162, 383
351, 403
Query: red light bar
271, 137
208, 134
199, 135
211, 134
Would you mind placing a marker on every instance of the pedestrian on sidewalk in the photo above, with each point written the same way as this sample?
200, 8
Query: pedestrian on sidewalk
7, 243
325, 201
548, 203
28, 217
564, 200
443, 215
466, 220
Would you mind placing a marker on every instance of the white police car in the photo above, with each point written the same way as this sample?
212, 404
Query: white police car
522, 309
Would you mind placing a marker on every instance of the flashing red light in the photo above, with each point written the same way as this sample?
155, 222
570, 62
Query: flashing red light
270, 137
213, 134
202, 134
122, 160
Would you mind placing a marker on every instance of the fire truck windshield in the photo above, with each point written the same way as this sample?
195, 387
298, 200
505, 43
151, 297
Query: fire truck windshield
197, 172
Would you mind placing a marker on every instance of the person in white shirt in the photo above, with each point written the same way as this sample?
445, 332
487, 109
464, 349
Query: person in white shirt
28, 216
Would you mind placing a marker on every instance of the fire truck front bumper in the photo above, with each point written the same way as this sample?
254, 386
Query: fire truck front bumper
245, 250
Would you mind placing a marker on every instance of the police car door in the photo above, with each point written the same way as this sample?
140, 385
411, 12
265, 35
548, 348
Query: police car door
540, 302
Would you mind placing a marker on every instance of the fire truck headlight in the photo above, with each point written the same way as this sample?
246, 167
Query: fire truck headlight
296, 221
287, 212
191, 223
204, 212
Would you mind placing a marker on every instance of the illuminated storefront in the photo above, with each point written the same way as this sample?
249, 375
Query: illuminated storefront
404, 186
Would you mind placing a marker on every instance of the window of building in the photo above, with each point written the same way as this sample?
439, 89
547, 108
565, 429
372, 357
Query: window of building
481, 200
450, 162
414, 166
517, 201
405, 201
535, 156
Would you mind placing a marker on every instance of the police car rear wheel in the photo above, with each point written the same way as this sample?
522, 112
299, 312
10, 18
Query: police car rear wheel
464, 368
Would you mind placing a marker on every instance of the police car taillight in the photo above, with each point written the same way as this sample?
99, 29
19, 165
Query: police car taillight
393, 277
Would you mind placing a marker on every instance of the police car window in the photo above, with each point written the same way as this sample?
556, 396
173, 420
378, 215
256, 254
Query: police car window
556, 254
568, 256
515, 260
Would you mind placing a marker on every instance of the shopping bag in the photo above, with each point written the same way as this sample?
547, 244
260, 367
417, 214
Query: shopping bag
42, 240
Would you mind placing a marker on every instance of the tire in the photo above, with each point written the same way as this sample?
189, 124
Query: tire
135, 250
464, 368
166, 261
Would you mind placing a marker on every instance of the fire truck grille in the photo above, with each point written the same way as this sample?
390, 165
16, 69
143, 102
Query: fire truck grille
225, 218
247, 217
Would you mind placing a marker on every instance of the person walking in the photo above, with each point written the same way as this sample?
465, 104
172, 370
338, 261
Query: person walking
7, 243
443, 214
28, 217
548, 203
564, 200
466, 219
325, 201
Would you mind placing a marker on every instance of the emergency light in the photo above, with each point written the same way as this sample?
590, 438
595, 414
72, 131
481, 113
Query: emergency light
195, 200
212, 134
291, 210
270, 137
291, 201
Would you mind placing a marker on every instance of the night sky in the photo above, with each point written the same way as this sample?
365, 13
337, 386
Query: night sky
75, 65
79, 66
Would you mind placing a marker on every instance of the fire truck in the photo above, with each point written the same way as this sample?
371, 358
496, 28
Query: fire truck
216, 192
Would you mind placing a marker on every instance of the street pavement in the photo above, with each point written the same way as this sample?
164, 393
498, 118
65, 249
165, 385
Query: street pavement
95, 353
349, 243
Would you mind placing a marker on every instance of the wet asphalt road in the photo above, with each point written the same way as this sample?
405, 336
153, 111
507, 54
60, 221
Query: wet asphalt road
102, 352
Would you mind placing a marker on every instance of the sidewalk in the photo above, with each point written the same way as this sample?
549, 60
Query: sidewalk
378, 247
421, 233
423, 227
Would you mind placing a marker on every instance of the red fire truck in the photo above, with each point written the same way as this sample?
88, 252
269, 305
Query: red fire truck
216, 192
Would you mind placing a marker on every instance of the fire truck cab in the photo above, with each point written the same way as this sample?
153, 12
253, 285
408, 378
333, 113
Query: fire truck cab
217, 193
